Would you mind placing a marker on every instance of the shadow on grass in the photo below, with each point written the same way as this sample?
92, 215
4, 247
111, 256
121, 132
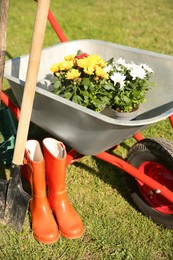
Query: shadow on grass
111, 175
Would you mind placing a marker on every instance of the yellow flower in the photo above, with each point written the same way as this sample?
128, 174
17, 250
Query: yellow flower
89, 70
69, 58
72, 74
83, 63
90, 63
55, 67
57, 74
97, 60
101, 73
64, 65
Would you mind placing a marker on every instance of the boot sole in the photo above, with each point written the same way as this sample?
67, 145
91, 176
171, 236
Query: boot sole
70, 236
48, 242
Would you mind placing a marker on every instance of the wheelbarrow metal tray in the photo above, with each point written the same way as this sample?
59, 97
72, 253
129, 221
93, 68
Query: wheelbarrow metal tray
87, 131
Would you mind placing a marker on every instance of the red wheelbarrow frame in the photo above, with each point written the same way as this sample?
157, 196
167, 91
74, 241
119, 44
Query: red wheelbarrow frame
74, 156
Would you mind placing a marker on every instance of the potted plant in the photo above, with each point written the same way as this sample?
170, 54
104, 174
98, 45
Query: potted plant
100, 85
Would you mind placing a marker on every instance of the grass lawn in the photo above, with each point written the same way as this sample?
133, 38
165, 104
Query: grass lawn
114, 228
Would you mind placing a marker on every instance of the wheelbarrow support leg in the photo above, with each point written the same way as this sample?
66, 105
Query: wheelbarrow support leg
154, 185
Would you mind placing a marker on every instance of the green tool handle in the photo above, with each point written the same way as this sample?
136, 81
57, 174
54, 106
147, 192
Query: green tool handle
31, 80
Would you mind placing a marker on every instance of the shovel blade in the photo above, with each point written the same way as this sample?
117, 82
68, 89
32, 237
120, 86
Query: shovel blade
16, 200
3, 192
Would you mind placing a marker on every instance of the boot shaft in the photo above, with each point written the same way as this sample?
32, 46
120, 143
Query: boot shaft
35, 166
55, 157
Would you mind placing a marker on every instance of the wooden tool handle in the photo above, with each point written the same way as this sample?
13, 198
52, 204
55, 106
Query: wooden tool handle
3, 23
31, 80
3, 26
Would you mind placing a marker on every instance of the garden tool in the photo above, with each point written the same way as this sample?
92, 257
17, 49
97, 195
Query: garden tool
44, 226
7, 141
17, 199
69, 222
7, 125
3, 24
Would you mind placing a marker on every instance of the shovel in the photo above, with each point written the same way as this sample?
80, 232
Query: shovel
17, 199
3, 25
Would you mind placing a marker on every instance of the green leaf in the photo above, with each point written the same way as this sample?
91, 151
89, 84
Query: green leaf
109, 86
57, 84
85, 93
110, 61
77, 99
126, 99
79, 52
86, 82
68, 95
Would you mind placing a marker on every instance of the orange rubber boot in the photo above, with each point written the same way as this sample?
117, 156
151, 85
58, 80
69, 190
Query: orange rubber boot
44, 226
69, 222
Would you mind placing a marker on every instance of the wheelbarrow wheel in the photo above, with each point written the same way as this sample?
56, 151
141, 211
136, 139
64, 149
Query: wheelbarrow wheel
155, 158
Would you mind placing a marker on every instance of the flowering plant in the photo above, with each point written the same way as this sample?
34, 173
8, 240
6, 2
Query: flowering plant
94, 83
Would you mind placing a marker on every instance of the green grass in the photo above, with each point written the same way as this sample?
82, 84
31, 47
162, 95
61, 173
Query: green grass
114, 228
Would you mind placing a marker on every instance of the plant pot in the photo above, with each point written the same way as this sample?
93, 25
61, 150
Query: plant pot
107, 111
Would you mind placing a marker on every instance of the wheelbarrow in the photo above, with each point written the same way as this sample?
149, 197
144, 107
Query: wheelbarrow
149, 162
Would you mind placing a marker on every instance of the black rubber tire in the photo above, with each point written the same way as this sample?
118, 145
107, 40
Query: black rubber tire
154, 150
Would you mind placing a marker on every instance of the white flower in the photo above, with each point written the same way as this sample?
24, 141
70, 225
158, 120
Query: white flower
108, 68
137, 72
118, 78
118, 67
121, 61
147, 68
